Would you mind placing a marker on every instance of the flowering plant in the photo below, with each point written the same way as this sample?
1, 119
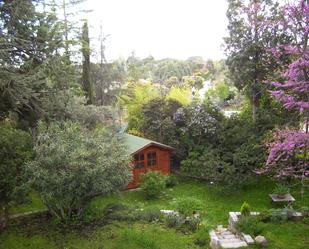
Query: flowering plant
288, 149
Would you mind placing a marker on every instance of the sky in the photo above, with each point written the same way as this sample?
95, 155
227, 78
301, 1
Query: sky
161, 28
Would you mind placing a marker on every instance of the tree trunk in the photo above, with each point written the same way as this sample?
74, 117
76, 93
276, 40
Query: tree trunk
303, 177
255, 100
66, 39
4, 217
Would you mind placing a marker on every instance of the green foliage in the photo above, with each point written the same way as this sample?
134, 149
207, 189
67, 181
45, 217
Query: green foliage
173, 221
183, 224
305, 211
171, 181
167, 68
110, 233
195, 81
241, 140
31, 45
150, 214
193, 223
65, 105
133, 100
15, 150
208, 165
274, 215
168, 72
139, 239
245, 209
86, 81
199, 123
250, 225
87, 115
306, 220
249, 62
135, 132
125, 212
281, 189
115, 206
229, 157
189, 206
277, 216
68, 171
120, 212
158, 123
180, 94
219, 94
153, 184
107, 80
201, 237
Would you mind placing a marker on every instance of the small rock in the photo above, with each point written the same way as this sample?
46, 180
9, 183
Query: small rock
169, 212
247, 238
196, 215
261, 240
297, 216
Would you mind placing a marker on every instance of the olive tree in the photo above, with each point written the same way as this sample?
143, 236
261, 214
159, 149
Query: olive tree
74, 164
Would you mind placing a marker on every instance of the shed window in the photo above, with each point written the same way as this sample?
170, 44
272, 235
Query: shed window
139, 160
151, 158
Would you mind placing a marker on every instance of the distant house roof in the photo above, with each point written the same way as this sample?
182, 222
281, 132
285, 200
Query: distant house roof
135, 144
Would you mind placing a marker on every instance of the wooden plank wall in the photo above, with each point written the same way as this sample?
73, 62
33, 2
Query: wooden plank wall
162, 165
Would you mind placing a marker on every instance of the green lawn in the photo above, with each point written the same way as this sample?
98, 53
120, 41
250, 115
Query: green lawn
34, 203
138, 235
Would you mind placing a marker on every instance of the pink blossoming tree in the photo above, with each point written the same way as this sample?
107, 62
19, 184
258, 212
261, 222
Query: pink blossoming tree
288, 150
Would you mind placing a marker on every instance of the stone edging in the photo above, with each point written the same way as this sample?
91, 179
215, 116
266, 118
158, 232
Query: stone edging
26, 214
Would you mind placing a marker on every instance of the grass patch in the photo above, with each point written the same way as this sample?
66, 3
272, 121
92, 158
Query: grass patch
33, 203
214, 205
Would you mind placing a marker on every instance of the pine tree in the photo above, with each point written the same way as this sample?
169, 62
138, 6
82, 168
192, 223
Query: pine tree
31, 63
27, 39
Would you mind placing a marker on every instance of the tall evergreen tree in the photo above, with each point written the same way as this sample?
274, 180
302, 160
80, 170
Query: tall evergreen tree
86, 82
27, 39
33, 70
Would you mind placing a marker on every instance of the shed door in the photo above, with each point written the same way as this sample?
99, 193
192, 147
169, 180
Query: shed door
139, 167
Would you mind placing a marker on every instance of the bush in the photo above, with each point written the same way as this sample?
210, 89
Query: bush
230, 157
249, 225
153, 184
276, 215
193, 223
189, 224
188, 206
15, 150
208, 164
245, 209
173, 221
150, 214
120, 212
171, 181
69, 170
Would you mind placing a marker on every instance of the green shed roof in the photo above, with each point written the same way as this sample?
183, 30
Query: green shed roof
135, 143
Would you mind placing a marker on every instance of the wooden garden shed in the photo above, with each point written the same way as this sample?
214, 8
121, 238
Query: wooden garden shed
147, 156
